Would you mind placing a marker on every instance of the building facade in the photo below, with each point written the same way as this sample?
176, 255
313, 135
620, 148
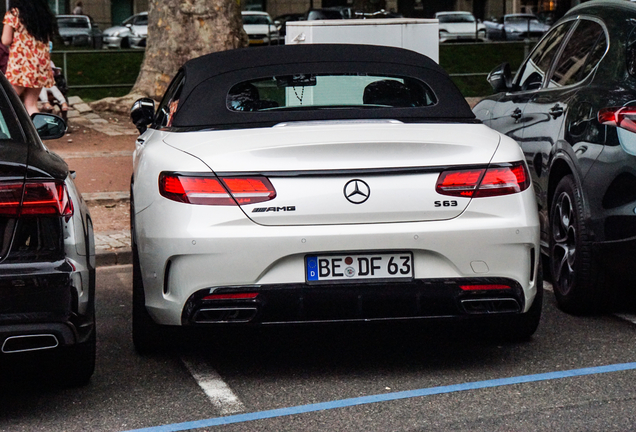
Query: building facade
107, 13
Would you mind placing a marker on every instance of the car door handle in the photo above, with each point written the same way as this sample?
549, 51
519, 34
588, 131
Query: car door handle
556, 111
516, 114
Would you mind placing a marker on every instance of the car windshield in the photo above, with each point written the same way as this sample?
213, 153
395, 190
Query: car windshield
456, 18
256, 19
72, 22
322, 91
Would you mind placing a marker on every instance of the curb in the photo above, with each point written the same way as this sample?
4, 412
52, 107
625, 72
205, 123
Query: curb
110, 257
104, 258
106, 197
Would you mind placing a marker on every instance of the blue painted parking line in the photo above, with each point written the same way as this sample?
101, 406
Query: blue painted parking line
282, 412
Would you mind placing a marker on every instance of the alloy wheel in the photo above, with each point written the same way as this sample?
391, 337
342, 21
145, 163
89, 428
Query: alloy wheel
564, 236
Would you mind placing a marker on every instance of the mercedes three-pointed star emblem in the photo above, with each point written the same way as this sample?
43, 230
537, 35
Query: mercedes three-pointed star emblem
357, 191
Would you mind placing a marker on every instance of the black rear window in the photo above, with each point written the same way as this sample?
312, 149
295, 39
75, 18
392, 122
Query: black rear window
259, 88
323, 91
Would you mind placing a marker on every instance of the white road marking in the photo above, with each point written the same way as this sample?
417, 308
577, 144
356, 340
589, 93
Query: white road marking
213, 385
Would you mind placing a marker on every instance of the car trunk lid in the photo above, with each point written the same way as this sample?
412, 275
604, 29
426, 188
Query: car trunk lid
346, 172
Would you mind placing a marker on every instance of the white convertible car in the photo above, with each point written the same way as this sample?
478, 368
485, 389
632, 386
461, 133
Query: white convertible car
326, 183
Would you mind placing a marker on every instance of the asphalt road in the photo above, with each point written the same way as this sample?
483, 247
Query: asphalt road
381, 378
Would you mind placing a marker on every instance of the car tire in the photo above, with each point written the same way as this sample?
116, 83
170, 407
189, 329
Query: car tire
125, 43
74, 365
576, 278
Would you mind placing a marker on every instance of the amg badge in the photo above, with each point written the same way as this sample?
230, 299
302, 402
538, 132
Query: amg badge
273, 209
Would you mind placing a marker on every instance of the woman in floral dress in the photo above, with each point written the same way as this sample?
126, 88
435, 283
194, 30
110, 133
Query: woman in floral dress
29, 25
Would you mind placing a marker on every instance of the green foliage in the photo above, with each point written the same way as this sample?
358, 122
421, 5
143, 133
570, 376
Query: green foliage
479, 58
108, 67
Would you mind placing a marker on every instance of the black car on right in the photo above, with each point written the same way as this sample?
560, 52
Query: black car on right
572, 108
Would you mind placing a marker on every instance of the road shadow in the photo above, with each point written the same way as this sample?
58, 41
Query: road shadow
347, 347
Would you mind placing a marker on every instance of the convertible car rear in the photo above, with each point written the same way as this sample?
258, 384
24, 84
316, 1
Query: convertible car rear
326, 183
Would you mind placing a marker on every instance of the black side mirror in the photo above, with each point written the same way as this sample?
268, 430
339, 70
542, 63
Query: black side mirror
500, 78
48, 126
142, 113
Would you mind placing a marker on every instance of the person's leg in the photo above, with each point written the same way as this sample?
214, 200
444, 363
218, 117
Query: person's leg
44, 98
57, 94
19, 90
30, 98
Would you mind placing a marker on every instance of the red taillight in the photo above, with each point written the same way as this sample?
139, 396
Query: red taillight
240, 296
194, 190
484, 287
459, 183
216, 191
250, 190
39, 198
476, 183
623, 117
504, 181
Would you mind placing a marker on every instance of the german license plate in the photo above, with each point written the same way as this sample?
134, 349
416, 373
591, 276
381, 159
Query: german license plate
359, 266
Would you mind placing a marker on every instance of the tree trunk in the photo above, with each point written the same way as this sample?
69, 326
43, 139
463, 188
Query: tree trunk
179, 30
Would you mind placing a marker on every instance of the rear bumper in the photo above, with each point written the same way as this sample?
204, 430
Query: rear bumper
446, 37
112, 41
344, 302
39, 307
179, 260
115, 41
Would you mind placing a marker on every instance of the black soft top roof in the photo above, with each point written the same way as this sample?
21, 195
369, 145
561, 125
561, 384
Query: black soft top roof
209, 78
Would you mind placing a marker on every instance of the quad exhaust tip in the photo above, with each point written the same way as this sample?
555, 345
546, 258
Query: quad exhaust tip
491, 306
24, 343
224, 315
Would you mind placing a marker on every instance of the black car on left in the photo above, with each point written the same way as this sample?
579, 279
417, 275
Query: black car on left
47, 251
572, 108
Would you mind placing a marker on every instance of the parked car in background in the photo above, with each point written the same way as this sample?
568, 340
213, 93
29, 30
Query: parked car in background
47, 251
79, 30
260, 28
459, 26
282, 20
572, 108
131, 33
382, 13
516, 27
356, 179
328, 14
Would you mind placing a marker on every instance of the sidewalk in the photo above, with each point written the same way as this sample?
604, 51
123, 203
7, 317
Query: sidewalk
112, 247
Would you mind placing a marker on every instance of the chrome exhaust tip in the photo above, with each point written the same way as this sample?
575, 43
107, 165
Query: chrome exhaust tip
24, 343
491, 306
224, 315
